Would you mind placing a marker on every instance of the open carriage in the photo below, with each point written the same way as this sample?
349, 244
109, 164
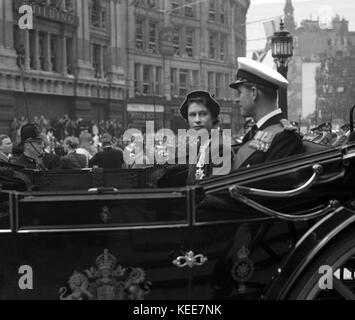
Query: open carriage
259, 233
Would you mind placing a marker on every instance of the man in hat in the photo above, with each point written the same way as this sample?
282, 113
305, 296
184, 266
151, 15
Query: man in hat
33, 149
108, 158
201, 111
272, 137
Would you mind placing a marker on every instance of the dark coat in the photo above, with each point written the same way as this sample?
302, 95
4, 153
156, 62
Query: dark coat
285, 143
52, 161
27, 162
108, 159
209, 168
73, 161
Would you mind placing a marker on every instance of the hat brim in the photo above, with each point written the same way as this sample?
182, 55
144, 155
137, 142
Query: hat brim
237, 83
212, 104
32, 139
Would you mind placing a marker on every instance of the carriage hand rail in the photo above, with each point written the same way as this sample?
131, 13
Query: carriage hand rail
333, 205
317, 171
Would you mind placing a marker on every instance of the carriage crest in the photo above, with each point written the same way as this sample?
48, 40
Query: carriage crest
106, 280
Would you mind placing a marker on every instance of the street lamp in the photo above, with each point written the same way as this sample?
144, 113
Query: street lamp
282, 51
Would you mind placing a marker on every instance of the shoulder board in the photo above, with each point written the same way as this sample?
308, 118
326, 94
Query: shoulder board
287, 125
262, 141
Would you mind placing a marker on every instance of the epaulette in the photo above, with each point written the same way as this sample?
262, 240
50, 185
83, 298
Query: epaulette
287, 125
262, 141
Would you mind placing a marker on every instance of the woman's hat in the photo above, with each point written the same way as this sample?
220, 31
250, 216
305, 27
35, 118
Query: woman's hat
211, 103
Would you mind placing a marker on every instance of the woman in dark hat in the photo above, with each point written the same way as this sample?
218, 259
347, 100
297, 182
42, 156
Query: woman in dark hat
201, 111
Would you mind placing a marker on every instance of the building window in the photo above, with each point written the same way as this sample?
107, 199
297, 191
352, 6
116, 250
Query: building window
212, 11
219, 85
223, 13
189, 43
227, 83
222, 53
195, 80
137, 80
96, 60
176, 42
69, 53
158, 81
152, 37
212, 46
98, 14
139, 34
175, 5
32, 36
189, 10
69, 6
173, 81
54, 53
210, 80
42, 51
146, 79
183, 82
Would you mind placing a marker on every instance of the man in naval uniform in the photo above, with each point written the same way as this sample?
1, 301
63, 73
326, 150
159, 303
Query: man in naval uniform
272, 137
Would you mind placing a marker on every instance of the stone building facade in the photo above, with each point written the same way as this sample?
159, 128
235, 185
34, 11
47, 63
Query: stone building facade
177, 46
131, 60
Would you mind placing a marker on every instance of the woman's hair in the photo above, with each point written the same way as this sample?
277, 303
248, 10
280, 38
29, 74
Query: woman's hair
72, 142
204, 101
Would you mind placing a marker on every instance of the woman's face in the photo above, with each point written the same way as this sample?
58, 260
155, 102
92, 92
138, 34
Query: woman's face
199, 117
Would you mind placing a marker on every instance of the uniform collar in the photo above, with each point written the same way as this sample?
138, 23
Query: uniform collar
270, 115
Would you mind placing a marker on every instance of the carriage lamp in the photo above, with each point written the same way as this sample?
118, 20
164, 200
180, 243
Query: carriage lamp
282, 51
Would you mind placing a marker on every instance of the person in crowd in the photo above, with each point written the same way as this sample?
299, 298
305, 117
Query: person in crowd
5, 148
85, 146
33, 149
73, 160
50, 159
109, 158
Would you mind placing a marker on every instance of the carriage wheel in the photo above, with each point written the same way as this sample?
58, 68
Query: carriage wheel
340, 256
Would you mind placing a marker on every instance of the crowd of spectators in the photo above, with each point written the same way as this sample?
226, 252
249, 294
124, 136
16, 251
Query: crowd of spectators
57, 130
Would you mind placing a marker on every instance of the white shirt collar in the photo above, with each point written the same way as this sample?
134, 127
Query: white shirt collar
270, 115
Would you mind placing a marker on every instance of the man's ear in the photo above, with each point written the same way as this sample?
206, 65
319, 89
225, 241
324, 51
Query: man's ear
254, 92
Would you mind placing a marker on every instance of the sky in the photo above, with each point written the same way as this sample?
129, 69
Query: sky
304, 9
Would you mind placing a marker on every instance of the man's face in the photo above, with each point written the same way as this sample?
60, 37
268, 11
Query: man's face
6, 146
246, 102
199, 117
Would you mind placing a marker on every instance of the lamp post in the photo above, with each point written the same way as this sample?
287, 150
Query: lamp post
282, 51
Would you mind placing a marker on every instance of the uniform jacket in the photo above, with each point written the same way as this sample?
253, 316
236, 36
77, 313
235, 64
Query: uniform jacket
275, 139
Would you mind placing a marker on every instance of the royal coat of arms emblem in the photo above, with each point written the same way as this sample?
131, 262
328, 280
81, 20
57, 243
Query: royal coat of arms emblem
107, 281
